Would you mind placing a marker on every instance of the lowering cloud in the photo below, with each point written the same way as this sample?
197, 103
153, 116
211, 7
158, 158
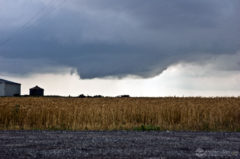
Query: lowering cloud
116, 38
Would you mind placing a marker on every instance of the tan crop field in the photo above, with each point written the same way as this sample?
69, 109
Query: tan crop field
197, 114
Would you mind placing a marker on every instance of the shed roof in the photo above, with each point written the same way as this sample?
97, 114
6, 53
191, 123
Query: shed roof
36, 87
9, 82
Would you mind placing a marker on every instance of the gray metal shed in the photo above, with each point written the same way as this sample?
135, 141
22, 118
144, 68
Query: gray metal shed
8, 88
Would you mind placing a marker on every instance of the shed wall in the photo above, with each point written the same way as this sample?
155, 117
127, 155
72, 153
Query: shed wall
12, 89
36, 92
2, 89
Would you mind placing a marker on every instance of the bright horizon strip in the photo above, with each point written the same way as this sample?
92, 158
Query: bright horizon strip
178, 80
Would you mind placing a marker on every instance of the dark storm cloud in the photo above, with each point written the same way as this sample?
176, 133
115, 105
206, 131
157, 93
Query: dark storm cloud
116, 38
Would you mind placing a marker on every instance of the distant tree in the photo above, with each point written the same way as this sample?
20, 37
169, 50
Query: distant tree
81, 96
124, 96
97, 96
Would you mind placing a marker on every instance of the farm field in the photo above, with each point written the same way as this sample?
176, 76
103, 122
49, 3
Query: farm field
170, 113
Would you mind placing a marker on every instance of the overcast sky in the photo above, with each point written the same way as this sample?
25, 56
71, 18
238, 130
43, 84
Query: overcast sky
110, 47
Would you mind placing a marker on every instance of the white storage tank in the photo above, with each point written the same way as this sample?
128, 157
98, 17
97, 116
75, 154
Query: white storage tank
8, 88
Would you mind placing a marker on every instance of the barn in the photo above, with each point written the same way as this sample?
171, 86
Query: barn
8, 88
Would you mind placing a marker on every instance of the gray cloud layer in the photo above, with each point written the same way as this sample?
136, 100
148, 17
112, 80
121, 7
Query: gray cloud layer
115, 38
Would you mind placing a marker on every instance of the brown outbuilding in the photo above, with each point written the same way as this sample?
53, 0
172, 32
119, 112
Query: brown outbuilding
36, 91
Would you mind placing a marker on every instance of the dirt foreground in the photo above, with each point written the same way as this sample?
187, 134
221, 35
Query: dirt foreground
118, 144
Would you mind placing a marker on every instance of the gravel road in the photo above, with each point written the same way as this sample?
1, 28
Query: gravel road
118, 144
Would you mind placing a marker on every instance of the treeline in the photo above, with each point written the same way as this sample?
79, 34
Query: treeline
80, 96
100, 96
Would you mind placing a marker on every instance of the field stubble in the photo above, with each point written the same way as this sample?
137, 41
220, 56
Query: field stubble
172, 113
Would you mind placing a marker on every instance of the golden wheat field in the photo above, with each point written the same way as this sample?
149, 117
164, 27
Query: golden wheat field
195, 114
